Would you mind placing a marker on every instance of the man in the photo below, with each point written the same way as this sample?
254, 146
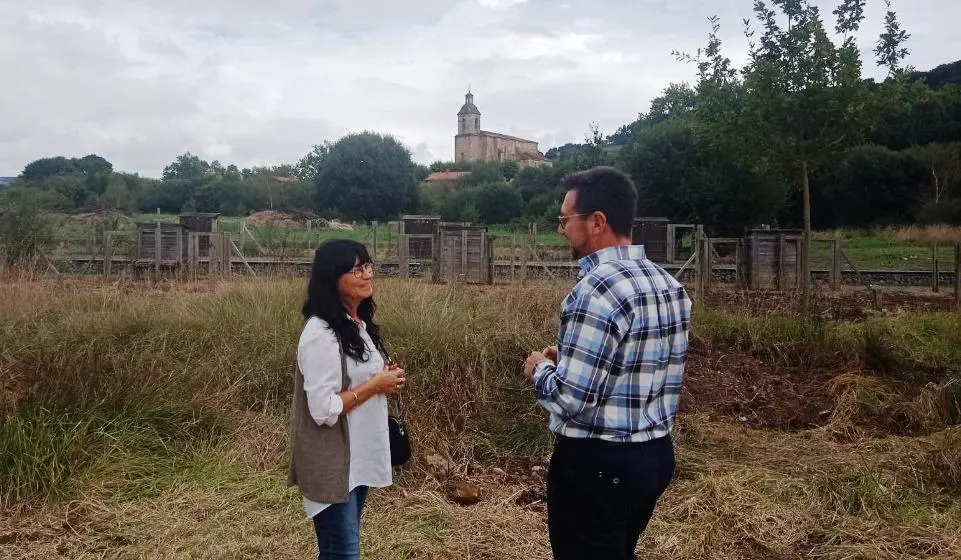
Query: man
612, 383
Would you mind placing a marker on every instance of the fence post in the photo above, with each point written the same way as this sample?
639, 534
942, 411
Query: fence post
957, 276
158, 249
936, 269
702, 250
403, 258
836, 264
107, 253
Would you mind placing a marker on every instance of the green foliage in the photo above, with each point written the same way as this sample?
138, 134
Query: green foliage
498, 203
25, 230
947, 212
894, 182
366, 176
47, 167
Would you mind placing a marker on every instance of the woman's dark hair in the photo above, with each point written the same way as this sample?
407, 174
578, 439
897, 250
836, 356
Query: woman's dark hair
333, 259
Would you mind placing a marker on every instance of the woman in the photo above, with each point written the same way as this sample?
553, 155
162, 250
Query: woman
338, 421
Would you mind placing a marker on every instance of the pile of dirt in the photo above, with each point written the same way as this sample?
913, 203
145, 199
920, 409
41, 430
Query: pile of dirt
86, 220
277, 218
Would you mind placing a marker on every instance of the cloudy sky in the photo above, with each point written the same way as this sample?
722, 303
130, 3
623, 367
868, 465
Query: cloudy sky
256, 82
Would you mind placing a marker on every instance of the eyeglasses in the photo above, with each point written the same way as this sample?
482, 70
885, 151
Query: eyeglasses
562, 220
361, 269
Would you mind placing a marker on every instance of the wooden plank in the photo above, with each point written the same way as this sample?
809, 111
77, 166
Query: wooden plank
403, 256
781, 256
464, 248
699, 252
249, 268
191, 256
107, 253
835, 265
935, 269
755, 263
671, 232
158, 248
957, 276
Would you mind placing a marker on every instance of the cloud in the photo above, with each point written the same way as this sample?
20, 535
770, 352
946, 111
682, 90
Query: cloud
258, 83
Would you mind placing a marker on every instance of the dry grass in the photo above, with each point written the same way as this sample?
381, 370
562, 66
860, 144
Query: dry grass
161, 410
923, 235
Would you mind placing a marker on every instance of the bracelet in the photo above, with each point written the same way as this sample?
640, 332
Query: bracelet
356, 398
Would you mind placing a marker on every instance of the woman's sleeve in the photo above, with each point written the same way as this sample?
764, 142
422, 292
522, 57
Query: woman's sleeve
318, 356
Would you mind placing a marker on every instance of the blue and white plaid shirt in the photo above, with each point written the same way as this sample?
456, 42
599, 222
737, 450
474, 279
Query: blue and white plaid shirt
621, 350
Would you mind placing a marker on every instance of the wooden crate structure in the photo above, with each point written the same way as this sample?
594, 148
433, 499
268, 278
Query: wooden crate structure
161, 244
771, 259
422, 231
652, 233
201, 222
465, 254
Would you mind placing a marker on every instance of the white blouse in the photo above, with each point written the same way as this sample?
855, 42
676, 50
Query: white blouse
318, 357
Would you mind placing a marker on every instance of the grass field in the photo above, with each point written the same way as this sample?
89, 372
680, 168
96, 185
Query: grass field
149, 420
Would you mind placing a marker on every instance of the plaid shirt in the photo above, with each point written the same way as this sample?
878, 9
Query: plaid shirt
621, 350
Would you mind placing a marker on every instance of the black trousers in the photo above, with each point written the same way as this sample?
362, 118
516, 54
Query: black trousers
601, 495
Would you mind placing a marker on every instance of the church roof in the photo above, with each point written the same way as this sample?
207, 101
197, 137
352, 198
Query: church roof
532, 156
445, 176
469, 108
506, 137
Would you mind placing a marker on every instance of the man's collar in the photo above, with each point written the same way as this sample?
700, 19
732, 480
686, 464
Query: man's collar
607, 254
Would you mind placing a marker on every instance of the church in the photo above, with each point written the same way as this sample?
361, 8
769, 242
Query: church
473, 144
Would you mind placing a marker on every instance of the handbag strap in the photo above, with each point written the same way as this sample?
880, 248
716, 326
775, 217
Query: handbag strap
391, 408
345, 379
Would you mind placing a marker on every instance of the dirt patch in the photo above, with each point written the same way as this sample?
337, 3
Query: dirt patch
737, 386
845, 305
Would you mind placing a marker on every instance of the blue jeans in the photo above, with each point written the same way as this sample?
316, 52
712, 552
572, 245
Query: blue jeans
338, 528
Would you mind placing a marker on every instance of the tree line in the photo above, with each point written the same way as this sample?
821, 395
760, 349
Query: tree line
796, 137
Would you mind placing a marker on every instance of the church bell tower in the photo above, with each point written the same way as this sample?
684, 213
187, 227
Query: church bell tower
468, 118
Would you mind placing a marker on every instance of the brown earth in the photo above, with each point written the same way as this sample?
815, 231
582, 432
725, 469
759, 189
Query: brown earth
277, 218
727, 384
851, 304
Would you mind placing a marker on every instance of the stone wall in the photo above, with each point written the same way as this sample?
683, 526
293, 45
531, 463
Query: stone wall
485, 147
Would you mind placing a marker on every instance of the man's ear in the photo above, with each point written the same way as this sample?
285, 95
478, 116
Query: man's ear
598, 222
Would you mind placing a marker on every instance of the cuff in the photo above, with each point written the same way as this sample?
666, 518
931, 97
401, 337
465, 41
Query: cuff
335, 406
544, 367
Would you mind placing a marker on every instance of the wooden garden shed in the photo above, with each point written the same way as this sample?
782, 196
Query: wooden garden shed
771, 259
465, 254
420, 232
652, 233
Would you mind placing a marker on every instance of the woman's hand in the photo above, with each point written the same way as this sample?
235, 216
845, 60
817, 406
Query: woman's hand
390, 380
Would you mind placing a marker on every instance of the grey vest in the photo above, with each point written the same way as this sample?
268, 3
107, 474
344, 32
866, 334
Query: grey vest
319, 455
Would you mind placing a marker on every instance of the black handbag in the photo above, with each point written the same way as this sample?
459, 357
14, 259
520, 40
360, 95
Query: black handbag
397, 433
399, 441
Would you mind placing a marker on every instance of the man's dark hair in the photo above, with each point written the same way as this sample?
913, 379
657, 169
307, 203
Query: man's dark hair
604, 189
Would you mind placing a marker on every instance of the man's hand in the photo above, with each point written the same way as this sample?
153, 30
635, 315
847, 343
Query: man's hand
550, 353
529, 364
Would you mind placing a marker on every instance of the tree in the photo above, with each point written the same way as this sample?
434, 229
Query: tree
117, 195
943, 163
874, 186
25, 230
804, 102
498, 203
365, 176
307, 166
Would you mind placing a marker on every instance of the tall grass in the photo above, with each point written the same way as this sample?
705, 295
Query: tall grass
168, 402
